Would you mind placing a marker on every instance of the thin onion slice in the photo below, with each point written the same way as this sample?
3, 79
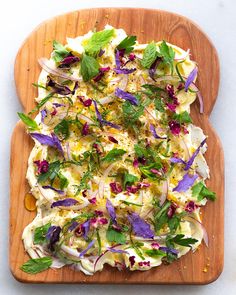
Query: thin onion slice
164, 192
102, 180
45, 64
124, 82
205, 235
106, 100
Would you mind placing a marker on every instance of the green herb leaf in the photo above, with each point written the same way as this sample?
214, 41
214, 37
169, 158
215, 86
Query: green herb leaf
40, 234
113, 155
167, 54
89, 67
52, 172
200, 191
98, 41
159, 105
131, 113
32, 125
149, 55
114, 236
37, 265
155, 253
63, 181
127, 44
161, 217
146, 170
84, 182
183, 117
59, 51
131, 203
129, 179
41, 103
99, 242
180, 240
62, 129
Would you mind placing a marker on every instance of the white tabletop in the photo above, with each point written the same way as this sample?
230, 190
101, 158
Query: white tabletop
217, 18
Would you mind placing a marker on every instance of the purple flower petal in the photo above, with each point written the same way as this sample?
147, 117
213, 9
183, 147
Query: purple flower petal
65, 203
52, 140
153, 68
68, 60
43, 115
111, 210
57, 143
190, 161
57, 105
58, 88
169, 250
85, 227
116, 250
184, 184
177, 160
124, 71
73, 225
140, 227
190, 78
90, 245
117, 59
101, 52
60, 192
53, 236
126, 96
153, 131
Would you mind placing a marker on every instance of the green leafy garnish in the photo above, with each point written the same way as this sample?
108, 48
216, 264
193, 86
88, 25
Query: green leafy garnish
98, 41
62, 129
114, 236
99, 242
200, 191
30, 123
127, 44
63, 181
180, 240
146, 170
159, 105
41, 103
155, 253
52, 172
161, 217
129, 179
84, 182
167, 54
149, 55
113, 155
37, 265
89, 67
183, 117
131, 113
59, 51
131, 203
40, 234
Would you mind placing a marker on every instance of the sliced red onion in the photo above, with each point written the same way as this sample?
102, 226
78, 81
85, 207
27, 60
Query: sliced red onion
45, 64
102, 180
154, 133
68, 151
164, 192
205, 235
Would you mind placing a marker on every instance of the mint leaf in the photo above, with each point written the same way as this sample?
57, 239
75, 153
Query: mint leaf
40, 234
98, 41
30, 123
113, 155
37, 265
200, 191
149, 55
127, 44
183, 117
180, 240
89, 67
129, 179
62, 129
155, 253
167, 54
59, 52
114, 236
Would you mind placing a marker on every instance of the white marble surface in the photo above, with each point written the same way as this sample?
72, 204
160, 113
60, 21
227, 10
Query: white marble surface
217, 18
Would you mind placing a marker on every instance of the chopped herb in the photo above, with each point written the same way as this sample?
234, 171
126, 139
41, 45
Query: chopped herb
41, 103
63, 181
131, 113
127, 44
40, 234
62, 129
84, 182
99, 242
52, 172
183, 117
30, 123
180, 240
149, 55
200, 191
37, 265
159, 105
167, 54
89, 67
59, 51
131, 203
113, 155
155, 253
115, 236
129, 179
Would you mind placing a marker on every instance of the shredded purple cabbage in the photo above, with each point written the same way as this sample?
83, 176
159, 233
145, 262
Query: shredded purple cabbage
73, 225
85, 227
185, 183
43, 115
190, 161
126, 96
52, 140
140, 227
57, 105
190, 78
101, 52
124, 71
116, 250
60, 192
90, 245
68, 60
65, 203
111, 210
58, 88
155, 135
53, 236
119, 69
153, 68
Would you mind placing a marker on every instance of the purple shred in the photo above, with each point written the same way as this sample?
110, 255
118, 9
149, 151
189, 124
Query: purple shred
68, 60
52, 140
140, 227
111, 210
153, 131
43, 115
58, 88
117, 59
177, 160
65, 203
85, 227
57, 143
116, 250
169, 250
60, 192
73, 225
185, 183
101, 52
85, 129
57, 105
192, 158
118, 69
100, 119
153, 68
53, 236
124, 71
126, 96
190, 78
90, 245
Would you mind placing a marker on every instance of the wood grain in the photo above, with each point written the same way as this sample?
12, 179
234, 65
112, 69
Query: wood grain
148, 25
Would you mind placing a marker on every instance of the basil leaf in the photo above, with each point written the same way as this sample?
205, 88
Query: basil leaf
114, 236
129, 179
97, 41
149, 55
60, 52
30, 123
155, 253
183, 117
200, 191
113, 155
40, 234
127, 44
180, 240
37, 265
62, 129
89, 67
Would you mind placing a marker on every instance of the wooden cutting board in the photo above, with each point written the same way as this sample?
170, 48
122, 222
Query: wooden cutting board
201, 267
